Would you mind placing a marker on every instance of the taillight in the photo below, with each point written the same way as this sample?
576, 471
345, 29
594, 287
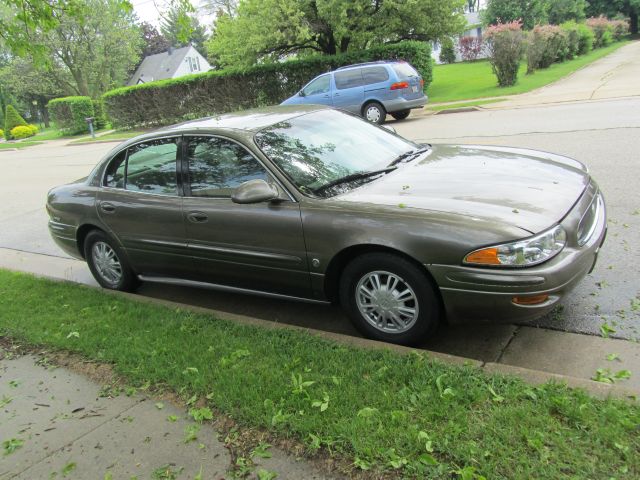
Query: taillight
399, 85
422, 82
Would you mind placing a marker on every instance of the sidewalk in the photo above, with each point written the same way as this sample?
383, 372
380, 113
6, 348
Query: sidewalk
73, 428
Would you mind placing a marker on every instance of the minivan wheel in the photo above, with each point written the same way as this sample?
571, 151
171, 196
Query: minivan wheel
401, 115
374, 112
389, 298
107, 262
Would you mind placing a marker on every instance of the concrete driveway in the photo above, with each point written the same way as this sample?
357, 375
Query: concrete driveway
601, 133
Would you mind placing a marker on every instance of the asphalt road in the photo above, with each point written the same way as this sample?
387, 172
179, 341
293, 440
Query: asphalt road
603, 134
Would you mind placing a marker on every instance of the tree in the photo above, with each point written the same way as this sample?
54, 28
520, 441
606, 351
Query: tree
181, 27
221, 7
12, 119
154, 41
611, 8
264, 30
530, 12
561, 11
473, 5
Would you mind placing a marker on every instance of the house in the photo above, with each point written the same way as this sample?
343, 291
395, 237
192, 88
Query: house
473, 29
173, 63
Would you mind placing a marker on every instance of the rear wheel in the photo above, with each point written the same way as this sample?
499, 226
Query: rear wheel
107, 262
374, 112
389, 298
401, 115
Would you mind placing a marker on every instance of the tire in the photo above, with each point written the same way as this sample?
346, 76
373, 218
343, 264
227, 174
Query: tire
411, 284
114, 275
401, 115
374, 112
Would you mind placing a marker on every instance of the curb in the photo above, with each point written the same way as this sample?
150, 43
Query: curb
533, 377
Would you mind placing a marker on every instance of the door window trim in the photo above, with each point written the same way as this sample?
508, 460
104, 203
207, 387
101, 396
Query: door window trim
184, 167
179, 187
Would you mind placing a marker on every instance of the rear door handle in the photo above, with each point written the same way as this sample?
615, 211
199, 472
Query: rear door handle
197, 217
107, 207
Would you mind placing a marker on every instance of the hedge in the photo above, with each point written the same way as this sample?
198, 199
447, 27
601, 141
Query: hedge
12, 119
23, 131
194, 96
69, 113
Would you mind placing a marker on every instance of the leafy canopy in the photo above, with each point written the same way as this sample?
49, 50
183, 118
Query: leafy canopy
263, 30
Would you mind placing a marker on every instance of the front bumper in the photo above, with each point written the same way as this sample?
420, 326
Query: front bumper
486, 294
400, 103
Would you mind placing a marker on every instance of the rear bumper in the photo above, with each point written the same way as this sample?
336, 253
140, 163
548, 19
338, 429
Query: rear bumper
486, 295
65, 237
400, 103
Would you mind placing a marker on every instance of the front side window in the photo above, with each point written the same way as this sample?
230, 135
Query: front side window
148, 167
318, 86
316, 149
217, 166
348, 78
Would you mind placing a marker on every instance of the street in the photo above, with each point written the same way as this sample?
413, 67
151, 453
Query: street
601, 133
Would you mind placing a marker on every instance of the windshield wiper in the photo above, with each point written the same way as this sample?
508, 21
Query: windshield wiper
411, 154
353, 177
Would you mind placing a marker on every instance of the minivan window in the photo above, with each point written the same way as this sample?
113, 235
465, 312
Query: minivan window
348, 78
374, 75
151, 167
217, 166
404, 70
319, 85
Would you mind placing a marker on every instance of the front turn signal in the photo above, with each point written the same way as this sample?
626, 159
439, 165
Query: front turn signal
486, 256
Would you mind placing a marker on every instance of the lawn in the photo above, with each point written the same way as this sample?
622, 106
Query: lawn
404, 415
470, 80
114, 136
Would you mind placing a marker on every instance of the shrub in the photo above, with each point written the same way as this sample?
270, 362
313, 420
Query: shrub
22, 131
573, 38
221, 91
620, 29
12, 119
470, 48
602, 31
1, 133
505, 47
448, 51
69, 113
546, 44
33, 128
585, 39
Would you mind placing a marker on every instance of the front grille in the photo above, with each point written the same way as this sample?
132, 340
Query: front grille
589, 220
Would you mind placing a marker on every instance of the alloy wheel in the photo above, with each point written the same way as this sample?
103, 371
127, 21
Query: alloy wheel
106, 262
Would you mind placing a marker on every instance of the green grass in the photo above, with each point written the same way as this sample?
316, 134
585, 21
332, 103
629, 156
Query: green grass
23, 144
123, 135
408, 415
468, 80
476, 103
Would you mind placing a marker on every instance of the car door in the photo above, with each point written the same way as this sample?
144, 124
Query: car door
348, 93
318, 91
141, 206
256, 246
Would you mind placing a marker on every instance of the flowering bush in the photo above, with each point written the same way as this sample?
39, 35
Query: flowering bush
470, 48
602, 30
546, 44
505, 42
620, 28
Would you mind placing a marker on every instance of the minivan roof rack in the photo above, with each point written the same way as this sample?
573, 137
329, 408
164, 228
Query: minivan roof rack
367, 63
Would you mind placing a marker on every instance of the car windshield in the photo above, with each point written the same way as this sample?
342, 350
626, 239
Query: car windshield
318, 149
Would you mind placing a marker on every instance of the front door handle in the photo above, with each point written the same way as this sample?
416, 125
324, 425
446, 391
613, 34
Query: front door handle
197, 217
107, 207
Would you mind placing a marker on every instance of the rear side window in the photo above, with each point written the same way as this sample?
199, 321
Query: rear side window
148, 167
348, 78
404, 70
374, 75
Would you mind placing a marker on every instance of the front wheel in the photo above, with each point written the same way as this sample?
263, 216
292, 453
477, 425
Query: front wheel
401, 115
389, 298
374, 112
107, 262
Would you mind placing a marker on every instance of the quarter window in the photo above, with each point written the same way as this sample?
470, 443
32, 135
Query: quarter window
348, 78
146, 167
217, 166
374, 75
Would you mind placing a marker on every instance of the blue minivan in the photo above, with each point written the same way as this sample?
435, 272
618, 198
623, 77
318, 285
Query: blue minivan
368, 89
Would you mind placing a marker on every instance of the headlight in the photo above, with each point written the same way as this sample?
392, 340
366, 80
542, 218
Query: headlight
523, 253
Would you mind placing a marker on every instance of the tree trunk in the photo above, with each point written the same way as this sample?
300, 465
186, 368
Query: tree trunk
44, 113
633, 23
344, 44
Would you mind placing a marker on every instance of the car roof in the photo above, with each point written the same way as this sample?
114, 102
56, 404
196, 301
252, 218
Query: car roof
369, 64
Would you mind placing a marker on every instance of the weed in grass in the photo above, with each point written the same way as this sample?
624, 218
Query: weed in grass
201, 414
606, 330
261, 451
191, 433
605, 375
167, 472
15, 383
263, 474
613, 356
159, 405
5, 400
172, 418
68, 468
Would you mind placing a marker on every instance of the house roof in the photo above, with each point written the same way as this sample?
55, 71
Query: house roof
159, 66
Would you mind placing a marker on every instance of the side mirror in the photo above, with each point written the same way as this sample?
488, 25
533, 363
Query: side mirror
390, 128
254, 191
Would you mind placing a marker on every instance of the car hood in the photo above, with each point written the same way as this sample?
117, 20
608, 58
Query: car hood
528, 189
